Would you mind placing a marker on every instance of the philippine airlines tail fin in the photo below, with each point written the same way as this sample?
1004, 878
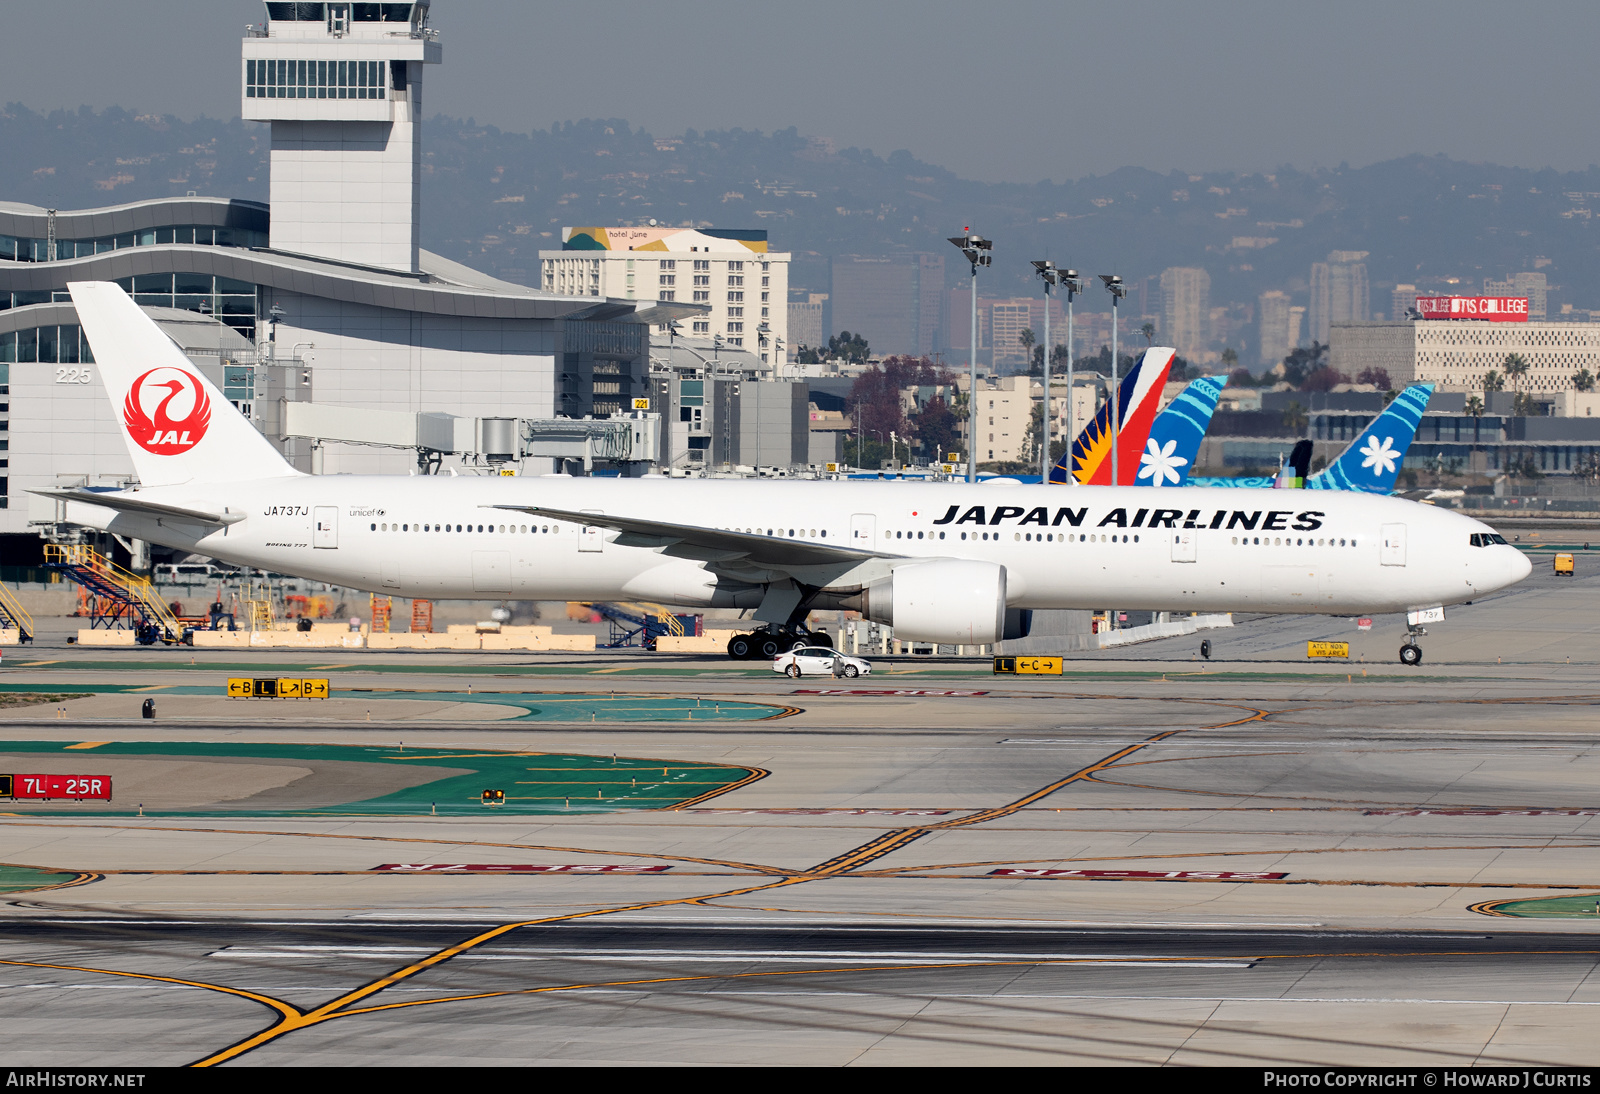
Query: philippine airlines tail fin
1088, 457
177, 426
1176, 434
1372, 462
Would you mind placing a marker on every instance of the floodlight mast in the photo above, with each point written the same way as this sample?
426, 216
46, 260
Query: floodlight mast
1117, 290
1072, 285
1052, 276
977, 251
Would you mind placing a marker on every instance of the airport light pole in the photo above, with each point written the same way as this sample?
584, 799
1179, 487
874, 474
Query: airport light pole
1072, 285
1052, 276
1118, 291
977, 251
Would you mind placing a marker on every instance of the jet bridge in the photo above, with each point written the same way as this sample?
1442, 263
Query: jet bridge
628, 440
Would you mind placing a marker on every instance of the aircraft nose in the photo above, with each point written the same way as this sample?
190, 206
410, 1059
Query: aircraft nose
1518, 566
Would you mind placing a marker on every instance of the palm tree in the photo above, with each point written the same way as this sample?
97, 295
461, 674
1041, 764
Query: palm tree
1475, 408
1583, 380
1493, 381
1026, 339
1148, 329
1516, 367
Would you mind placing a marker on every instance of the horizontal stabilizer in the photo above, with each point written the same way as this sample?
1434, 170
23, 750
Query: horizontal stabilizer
129, 503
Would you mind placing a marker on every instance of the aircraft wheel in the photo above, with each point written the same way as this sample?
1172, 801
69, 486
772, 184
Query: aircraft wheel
1411, 654
793, 672
823, 639
769, 648
740, 647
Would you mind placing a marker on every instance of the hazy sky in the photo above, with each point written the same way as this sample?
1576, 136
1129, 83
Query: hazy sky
1014, 91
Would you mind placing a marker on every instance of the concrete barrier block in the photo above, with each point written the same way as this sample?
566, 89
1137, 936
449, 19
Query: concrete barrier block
690, 643
105, 638
10, 637
221, 639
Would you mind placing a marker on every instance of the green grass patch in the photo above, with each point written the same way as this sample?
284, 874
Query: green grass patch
19, 879
1550, 907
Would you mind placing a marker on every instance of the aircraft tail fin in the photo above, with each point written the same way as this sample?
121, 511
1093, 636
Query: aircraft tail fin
1088, 458
1373, 460
1292, 475
1176, 434
178, 427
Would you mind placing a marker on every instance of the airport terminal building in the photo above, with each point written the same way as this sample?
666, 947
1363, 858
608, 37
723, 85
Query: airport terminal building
323, 296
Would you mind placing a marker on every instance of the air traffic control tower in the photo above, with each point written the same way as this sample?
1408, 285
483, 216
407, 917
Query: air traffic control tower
341, 84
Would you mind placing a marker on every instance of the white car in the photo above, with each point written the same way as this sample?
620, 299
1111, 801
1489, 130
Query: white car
818, 661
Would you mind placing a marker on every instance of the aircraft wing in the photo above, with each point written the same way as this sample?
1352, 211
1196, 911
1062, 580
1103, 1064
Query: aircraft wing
716, 545
129, 503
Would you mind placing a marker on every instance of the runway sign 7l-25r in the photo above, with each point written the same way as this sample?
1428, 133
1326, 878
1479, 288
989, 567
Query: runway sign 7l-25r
51, 787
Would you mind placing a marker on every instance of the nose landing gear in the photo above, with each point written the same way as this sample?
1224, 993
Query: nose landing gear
1411, 653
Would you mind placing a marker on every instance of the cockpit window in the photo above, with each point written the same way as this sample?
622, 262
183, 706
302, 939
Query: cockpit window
1485, 539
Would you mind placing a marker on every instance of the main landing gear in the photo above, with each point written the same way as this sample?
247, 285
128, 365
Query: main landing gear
766, 644
1411, 653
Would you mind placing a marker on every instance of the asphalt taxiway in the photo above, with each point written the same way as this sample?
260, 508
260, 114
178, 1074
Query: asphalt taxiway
1150, 859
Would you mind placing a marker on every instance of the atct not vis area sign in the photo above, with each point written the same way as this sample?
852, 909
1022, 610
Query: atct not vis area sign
56, 787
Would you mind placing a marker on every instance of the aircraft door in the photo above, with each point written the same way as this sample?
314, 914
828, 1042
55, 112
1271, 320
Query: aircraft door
325, 526
591, 538
1183, 545
863, 529
1392, 547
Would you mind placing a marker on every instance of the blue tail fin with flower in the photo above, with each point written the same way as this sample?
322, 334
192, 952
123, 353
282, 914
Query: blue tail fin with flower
1372, 462
1176, 434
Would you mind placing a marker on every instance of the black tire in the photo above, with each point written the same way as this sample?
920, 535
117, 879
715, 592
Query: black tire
823, 639
1410, 654
793, 671
769, 648
741, 648
851, 672
798, 644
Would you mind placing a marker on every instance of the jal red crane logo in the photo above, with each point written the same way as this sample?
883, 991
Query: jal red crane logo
167, 411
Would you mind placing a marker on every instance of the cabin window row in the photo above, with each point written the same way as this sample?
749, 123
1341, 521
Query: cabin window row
1285, 541
509, 529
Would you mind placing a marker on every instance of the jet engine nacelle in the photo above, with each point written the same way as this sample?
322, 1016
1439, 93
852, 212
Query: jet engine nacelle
957, 602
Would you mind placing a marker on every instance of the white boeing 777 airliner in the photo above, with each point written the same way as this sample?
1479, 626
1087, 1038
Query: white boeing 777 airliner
940, 562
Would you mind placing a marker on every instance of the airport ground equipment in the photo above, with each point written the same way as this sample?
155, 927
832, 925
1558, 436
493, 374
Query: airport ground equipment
642, 623
117, 594
382, 610
766, 644
15, 615
422, 617
630, 439
1564, 564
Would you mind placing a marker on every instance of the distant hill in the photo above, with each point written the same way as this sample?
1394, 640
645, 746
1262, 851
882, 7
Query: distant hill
493, 199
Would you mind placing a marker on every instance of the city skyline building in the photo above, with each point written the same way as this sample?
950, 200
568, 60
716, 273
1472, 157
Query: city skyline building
808, 323
1273, 335
1534, 286
1339, 292
731, 272
894, 301
1186, 310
